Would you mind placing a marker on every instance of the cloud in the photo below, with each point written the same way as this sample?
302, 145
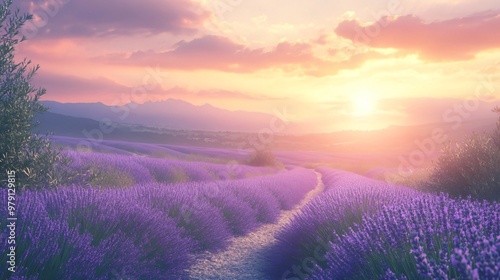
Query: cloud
455, 39
222, 54
97, 18
70, 88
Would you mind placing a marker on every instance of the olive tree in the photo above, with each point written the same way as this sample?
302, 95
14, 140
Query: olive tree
22, 149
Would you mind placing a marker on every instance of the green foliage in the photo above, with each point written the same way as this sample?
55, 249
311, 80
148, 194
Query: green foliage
103, 177
471, 168
176, 175
37, 165
261, 158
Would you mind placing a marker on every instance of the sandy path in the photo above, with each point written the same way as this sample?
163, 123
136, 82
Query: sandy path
243, 259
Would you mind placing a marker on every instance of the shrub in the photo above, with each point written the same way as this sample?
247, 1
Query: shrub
471, 168
109, 178
261, 158
29, 154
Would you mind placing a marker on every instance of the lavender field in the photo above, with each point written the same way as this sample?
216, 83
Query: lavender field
142, 217
145, 218
360, 228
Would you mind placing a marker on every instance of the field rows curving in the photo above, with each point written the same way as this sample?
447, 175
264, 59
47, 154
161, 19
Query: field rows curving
365, 229
158, 218
113, 170
146, 231
245, 257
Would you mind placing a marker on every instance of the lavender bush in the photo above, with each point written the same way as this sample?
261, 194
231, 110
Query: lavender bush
240, 216
49, 249
346, 199
111, 170
365, 229
146, 231
428, 237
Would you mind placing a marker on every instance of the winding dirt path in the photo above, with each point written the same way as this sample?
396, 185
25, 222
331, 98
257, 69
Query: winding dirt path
244, 259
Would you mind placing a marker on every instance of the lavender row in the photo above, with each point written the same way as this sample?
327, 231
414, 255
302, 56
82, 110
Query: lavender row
152, 150
366, 229
427, 237
119, 170
346, 199
148, 231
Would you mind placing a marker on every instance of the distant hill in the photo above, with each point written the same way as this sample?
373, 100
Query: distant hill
171, 114
64, 125
91, 130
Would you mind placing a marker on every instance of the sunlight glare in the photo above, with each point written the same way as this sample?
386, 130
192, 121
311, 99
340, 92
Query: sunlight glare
363, 104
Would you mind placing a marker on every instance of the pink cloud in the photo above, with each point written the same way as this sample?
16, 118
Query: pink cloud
97, 18
455, 39
222, 54
70, 88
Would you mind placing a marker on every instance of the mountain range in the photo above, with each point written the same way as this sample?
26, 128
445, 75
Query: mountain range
179, 122
171, 114
174, 114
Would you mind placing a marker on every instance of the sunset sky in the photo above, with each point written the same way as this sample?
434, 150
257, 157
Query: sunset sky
334, 64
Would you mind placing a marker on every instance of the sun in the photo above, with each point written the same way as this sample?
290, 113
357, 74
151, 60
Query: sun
363, 104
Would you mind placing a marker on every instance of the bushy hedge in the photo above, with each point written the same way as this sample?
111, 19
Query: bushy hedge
471, 168
261, 158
